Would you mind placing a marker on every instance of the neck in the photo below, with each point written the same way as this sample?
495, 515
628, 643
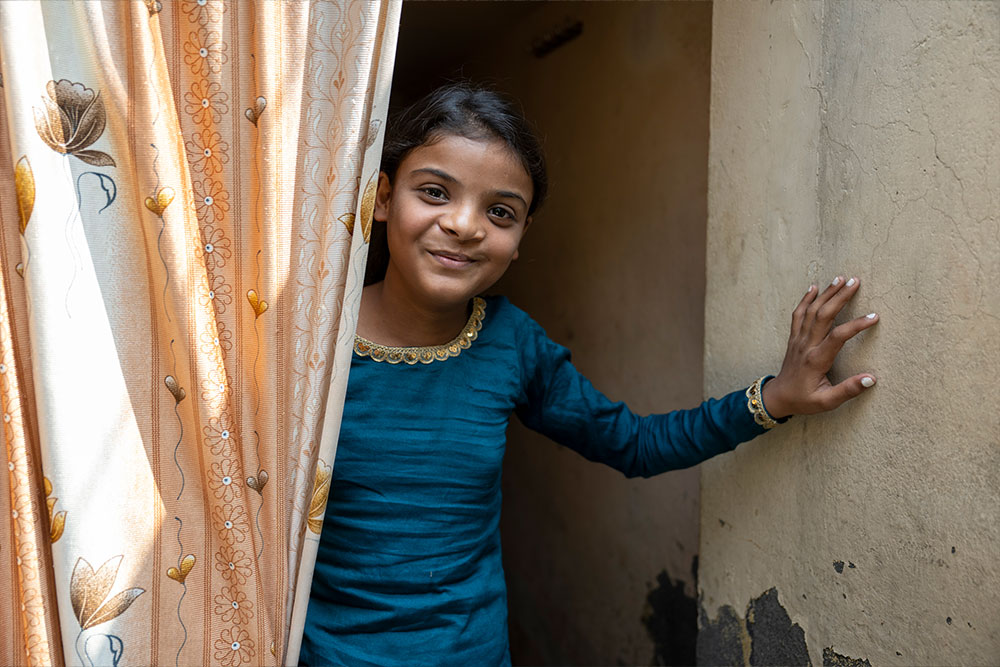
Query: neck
391, 316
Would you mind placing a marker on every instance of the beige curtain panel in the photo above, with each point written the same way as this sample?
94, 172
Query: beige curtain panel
185, 202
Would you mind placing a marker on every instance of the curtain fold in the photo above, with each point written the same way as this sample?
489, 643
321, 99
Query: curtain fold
184, 218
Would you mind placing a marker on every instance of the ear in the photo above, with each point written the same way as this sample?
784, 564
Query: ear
527, 223
382, 198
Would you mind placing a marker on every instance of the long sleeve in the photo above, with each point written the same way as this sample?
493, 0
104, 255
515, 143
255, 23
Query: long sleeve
562, 404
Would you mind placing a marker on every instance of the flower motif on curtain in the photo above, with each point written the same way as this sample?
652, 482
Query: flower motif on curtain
206, 102
88, 592
24, 186
233, 647
57, 520
216, 387
215, 247
204, 11
220, 434
230, 521
208, 152
233, 564
320, 492
206, 53
216, 340
224, 480
210, 199
216, 291
233, 606
72, 119
27, 556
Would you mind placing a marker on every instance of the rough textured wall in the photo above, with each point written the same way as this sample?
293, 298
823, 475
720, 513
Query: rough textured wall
863, 138
600, 567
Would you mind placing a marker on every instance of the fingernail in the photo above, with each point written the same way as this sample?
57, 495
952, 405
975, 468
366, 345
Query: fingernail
867, 381
871, 316
850, 283
836, 281
811, 288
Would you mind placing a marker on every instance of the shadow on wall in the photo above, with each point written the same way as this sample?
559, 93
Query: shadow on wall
671, 620
766, 636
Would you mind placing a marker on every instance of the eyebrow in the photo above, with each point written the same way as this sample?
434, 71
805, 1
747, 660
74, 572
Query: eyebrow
445, 176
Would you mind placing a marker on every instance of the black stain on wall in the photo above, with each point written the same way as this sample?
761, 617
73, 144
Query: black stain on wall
833, 659
838, 565
774, 639
768, 632
671, 621
720, 642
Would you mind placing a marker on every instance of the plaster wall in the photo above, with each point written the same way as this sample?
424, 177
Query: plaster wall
860, 138
600, 567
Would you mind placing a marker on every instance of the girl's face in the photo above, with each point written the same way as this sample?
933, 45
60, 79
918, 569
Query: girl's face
455, 216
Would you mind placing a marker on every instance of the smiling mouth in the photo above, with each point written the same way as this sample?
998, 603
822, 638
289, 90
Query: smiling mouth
452, 260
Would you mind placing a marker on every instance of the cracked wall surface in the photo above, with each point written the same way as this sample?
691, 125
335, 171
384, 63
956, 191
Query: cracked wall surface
860, 138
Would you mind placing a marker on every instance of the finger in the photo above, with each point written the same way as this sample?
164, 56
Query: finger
799, 314
837, 302
840, 393
840, 334
835, 285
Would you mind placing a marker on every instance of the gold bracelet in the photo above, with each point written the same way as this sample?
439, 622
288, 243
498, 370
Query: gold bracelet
755, 403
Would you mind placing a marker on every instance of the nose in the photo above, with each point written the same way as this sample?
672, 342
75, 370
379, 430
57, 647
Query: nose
463, 224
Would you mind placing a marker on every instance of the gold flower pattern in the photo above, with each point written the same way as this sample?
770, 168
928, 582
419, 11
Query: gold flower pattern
320, 492
57, 520
24, 186
88, 593
71, 119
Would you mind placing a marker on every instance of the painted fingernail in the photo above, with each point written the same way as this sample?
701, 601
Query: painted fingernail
850, 283
871, 316
811, 288
836, 281
867, 381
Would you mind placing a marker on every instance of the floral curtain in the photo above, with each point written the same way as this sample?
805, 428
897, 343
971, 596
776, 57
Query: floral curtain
186, 192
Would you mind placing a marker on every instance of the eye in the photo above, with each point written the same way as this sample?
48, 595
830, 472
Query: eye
502, 213
434, 192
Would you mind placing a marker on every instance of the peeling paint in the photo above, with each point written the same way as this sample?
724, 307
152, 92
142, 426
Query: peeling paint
767, 636
774, 639
721, 641
833, 659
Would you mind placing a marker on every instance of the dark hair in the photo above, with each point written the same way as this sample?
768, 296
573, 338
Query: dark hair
465, 110
472, 112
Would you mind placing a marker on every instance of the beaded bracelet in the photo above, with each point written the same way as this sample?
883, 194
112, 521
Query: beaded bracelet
755, 404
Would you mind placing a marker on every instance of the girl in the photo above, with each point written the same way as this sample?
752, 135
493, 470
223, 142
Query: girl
409, 567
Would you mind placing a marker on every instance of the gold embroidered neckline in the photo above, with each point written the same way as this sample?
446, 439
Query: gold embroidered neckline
425, 355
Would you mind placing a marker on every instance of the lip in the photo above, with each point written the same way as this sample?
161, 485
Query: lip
452, 260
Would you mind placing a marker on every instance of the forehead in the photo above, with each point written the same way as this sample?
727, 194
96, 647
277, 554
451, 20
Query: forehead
486, 163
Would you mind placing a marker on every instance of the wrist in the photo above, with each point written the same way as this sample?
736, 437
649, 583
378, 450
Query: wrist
774, 401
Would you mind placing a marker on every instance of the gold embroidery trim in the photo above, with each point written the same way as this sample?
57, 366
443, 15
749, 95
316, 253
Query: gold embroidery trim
425, 355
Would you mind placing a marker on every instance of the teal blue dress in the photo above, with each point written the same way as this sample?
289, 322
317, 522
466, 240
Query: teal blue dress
409, 566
